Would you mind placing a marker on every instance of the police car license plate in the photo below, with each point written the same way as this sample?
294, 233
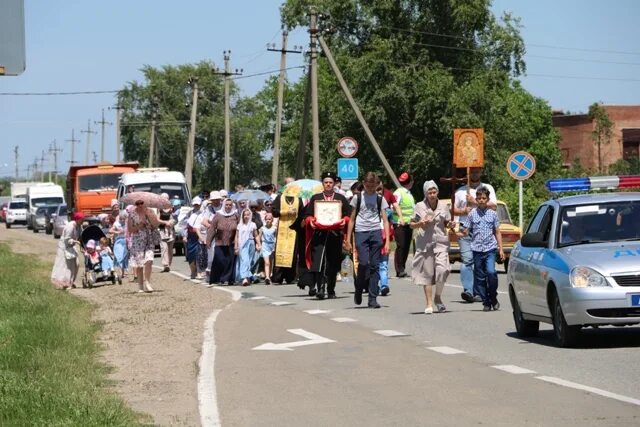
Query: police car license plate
635, 300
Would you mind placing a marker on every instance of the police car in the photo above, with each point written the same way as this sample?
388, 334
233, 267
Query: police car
578, 263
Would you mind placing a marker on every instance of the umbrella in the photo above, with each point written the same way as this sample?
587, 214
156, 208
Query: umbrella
251, 195
303, 188
151, 200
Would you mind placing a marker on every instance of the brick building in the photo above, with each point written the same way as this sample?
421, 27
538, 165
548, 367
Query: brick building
577, 143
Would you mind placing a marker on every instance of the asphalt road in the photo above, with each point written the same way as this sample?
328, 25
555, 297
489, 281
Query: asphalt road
363, 377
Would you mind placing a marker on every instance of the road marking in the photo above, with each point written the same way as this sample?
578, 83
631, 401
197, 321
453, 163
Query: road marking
343, 319
604, 393
235, 295
317, 311
390, 333
446, 350
207, 399
512, 369
257, 298
281, 303
311, 339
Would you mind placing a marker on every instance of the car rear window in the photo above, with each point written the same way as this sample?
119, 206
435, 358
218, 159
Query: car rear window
18, 205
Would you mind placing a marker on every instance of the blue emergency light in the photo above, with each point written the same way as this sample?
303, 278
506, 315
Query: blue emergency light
593, 183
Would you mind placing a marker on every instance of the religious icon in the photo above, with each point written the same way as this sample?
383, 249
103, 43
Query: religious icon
468, 148
327, 212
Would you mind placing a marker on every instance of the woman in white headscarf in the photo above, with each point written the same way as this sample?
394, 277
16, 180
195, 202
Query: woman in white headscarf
430, 266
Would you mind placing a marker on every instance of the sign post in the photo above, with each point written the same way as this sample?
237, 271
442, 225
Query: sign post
521, 166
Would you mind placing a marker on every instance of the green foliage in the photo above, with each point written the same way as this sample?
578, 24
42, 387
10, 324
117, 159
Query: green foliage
165, 91
603, 129
50, 373
418, 70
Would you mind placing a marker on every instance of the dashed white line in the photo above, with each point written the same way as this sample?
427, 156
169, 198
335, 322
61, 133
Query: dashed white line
317, 311
343, 319
446, 350
281, 303
390, 333
257, 298
512, 369
603, 393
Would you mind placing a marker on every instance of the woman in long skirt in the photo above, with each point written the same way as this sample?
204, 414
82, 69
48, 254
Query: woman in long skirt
65, 268
222, 229
246, 244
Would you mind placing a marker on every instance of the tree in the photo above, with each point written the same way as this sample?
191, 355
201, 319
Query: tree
165, 91
419, 69
602, 131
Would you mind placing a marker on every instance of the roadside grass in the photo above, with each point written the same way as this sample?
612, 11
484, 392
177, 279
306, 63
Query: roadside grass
50, 372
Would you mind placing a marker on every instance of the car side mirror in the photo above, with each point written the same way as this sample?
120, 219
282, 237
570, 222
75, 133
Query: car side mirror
533, 240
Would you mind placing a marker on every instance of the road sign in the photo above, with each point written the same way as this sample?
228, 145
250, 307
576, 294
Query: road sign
521, 165
348, 169
347, 147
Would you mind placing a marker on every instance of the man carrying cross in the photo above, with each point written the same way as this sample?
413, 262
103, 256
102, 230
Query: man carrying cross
465, 201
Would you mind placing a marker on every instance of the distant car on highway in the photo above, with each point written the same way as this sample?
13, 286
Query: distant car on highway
42, 215
59, 221
578, 265
510, 235
16, 213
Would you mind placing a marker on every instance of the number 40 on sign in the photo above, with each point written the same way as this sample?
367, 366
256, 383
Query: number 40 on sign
348, 168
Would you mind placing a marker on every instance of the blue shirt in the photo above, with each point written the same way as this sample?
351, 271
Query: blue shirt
482, 225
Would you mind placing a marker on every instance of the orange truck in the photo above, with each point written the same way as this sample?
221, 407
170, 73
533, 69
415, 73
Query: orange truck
90, 189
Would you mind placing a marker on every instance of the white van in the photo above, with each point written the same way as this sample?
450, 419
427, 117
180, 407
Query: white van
158, 181
42, 194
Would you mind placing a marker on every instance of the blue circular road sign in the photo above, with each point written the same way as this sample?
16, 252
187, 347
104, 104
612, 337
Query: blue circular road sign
521, 165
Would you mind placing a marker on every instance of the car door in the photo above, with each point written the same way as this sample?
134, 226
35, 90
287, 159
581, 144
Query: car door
523, 269
541, 259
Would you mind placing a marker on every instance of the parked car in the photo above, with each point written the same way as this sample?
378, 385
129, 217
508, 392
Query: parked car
49, 217
39, 219
577, 266
16, 213
510, 235
59, 221
3, 212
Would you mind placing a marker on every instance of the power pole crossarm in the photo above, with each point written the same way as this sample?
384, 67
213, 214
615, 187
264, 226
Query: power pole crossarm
88, 148
73, 142
356, 109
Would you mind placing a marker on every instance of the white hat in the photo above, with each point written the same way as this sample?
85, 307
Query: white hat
114, 202
224, 193
91, 244
196, 201
215, 195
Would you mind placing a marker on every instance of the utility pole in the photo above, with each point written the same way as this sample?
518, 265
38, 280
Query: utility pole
35, 169
188, 165
15, 152
42, 168
55, 150
152, 139
118, 108
356, 109
88, 132
95, 157
302, 145
227, 126
315, 118
276, 139
73, 141
102, 123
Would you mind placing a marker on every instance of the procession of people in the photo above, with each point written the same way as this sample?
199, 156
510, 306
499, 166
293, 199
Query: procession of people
302, 235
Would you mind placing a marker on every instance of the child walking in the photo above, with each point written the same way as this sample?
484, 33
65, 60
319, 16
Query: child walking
267, 239
246, 244
483, 226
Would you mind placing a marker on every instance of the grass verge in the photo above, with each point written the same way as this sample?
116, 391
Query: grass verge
50, 373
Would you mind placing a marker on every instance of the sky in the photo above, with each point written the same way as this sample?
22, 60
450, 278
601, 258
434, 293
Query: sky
578, 52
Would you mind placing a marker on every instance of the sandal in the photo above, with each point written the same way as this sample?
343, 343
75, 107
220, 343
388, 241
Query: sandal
441, 308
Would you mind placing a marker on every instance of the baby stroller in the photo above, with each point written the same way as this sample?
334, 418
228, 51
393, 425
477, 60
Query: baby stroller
93, 271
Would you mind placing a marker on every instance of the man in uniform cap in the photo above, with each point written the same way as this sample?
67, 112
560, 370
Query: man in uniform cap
325, 240
402, 232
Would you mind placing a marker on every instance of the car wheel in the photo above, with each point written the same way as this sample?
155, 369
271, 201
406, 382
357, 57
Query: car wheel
565, 335
524, 328
55, 236
48, 230
8, 225
35, 230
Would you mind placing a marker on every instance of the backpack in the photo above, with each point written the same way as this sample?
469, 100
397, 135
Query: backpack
359, 201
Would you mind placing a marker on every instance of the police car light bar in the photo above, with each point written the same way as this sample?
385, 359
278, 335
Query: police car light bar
593, 183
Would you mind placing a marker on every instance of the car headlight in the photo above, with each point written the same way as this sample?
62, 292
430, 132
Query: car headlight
585, 277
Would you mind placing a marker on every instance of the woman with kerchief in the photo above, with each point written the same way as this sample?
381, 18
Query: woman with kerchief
142, 223
222, 229
430, 265
65, 268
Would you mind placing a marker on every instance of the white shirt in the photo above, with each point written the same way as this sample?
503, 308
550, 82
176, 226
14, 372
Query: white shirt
461, 198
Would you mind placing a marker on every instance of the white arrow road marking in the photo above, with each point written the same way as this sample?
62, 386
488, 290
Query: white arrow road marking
257, 298
311, 339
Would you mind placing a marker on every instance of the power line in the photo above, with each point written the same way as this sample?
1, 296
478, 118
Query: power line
90, 92
266, 72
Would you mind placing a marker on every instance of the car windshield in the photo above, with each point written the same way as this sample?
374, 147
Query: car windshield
46, 210
46, 201
62, 211
18, 205
503, 214
175, 191
603, 222
106, 181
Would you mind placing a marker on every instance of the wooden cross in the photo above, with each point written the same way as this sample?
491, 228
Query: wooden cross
453, 180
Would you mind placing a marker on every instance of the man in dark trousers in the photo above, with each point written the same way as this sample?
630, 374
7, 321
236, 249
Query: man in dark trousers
401, 223
324, 241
